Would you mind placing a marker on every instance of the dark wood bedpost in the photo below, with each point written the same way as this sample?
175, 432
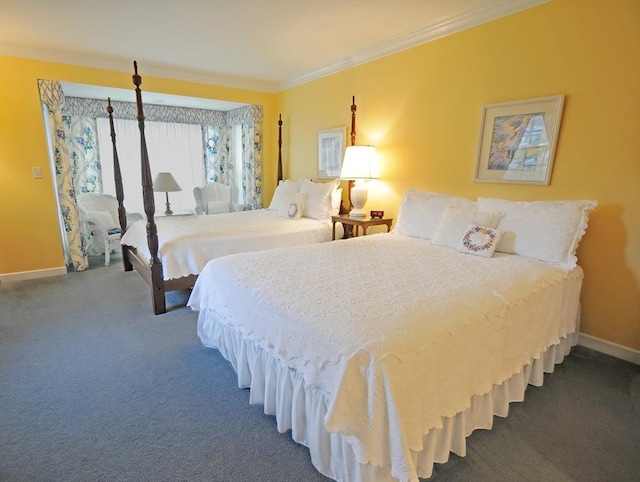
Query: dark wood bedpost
155, 265
280, 176
346, 210
122, 212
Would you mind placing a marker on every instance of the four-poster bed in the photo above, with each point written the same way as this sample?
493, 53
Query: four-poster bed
169, 252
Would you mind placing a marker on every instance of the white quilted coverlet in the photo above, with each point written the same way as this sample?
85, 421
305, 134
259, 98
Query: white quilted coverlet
186, 243
396, 333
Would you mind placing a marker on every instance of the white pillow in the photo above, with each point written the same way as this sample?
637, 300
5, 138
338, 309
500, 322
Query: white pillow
318, 202
455, 221
218, 207
293, 205
545, 230
421, 211
282, 189
336, 199
479, 240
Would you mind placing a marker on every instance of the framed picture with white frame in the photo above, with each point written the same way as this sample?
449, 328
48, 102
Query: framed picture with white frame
331, 145
518, 140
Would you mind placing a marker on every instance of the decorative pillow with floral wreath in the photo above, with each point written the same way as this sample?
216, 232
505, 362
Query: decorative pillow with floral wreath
479, 240
292, 205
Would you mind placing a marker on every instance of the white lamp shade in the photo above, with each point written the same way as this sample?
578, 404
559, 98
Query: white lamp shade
360, 162
164, 182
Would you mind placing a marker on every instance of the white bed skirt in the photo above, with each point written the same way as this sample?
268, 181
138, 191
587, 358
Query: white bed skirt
302, 408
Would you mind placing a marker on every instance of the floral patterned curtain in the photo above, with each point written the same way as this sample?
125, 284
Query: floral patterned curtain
217, 167
252, 165
82, 140
52, 96
222, 150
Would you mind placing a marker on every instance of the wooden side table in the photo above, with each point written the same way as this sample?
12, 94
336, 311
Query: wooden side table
364, 223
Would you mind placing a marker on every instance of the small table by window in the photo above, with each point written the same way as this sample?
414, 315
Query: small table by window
364, 223
174, 215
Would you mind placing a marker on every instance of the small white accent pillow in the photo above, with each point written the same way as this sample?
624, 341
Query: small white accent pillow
479, 240
421, 211
282, 189
455, 221
318, 203
218, 207
293, 205
545, 230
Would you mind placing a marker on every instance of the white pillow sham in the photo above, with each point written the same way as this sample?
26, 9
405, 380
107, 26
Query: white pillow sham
318, 204
293, 205
455, 221
336, 199
281, 191
421, 211
545, 230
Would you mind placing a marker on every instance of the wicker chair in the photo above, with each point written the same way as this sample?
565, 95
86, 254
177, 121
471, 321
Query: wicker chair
98, 215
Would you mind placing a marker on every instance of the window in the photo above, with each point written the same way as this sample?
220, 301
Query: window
174, 148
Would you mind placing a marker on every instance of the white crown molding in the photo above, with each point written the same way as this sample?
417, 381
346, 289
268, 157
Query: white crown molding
126, 65
427, 34
446, 27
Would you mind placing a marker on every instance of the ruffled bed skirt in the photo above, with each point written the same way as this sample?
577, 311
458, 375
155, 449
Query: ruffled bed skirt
301, 408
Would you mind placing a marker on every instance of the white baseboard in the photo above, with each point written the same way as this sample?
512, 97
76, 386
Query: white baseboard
25, 275
610, 348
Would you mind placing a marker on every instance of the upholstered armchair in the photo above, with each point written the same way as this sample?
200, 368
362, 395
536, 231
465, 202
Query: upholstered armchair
214, 198
98, 215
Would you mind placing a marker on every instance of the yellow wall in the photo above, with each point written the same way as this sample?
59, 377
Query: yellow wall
421, 108
29, 234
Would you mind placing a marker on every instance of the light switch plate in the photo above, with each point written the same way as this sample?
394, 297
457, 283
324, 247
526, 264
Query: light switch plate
37, 172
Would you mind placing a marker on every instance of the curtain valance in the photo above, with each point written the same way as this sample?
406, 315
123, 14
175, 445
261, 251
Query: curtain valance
96, 108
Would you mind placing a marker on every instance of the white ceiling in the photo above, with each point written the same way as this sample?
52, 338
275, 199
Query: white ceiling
264, 45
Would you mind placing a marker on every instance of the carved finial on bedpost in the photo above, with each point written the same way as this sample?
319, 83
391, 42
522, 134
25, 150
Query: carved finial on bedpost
353, 121
280, 176
137, 81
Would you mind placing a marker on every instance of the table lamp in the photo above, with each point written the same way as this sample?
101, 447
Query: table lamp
164, 182
360, 163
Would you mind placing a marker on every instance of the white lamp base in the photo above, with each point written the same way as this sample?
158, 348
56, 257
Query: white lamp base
359, 194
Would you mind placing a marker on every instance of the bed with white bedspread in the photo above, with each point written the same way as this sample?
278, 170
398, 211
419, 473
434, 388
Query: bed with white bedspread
186, 243
427, 343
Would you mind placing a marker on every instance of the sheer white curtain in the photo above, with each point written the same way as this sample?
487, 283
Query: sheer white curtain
174, 148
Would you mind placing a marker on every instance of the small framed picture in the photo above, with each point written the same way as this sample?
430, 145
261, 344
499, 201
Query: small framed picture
331, 145
518, 140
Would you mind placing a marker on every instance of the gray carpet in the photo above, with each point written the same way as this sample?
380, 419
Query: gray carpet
99, 389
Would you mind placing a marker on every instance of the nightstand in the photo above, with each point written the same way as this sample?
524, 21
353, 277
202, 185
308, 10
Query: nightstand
364, 223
